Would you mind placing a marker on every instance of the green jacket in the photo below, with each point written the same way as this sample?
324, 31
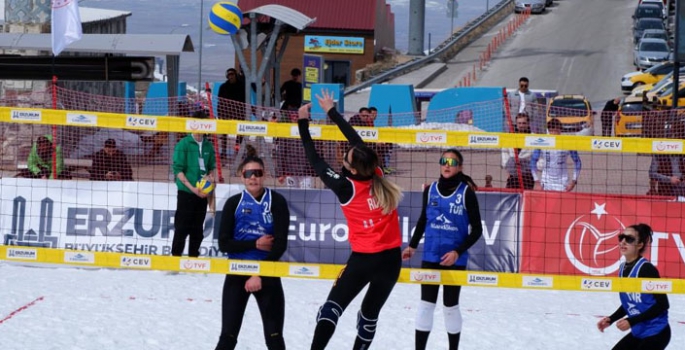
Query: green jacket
35, 164
186, 160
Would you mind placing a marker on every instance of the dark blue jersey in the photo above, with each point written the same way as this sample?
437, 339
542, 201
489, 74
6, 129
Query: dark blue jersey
253, 219
447, 224
635, 304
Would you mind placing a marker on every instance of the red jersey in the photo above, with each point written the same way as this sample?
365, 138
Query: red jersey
370, 231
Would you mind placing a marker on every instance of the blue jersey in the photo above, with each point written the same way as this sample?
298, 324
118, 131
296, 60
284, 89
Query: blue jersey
637, 303
447, 224
253, 219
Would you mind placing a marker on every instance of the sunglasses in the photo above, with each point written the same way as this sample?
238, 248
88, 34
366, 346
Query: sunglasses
449, 161
524, 85
256, 172
627, 238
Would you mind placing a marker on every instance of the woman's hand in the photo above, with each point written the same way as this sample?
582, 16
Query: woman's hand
303, 112
326, 101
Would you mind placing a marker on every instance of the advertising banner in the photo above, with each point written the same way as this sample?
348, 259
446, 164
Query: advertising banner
333, 44
577, 234
313, 74
137, 218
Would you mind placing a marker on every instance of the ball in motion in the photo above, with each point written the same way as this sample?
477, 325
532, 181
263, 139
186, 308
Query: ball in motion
205, 186
225, 18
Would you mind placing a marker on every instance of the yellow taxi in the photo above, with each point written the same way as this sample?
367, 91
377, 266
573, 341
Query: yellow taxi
574, 112
666, 97
629, 117
650, 76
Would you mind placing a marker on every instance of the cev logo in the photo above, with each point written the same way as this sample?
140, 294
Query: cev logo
368, 134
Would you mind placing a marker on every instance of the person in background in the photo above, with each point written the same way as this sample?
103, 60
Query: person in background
291, 91
509, 163
193, 159
555, 171
231, 106
39, 162
450, 208
110, 164
607, 116
645, 315
254, 226
369, 202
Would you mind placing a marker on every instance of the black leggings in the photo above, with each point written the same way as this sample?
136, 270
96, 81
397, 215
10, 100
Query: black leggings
380, 271
655, 342
189, 222
450, 294
271, 303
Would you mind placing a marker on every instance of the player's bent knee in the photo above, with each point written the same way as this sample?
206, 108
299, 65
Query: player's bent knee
453, 319
424, 316
329, 311
366, 327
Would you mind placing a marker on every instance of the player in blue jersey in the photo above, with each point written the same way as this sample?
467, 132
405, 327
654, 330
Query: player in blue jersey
645, 315
254, 226
450, 206
555, 171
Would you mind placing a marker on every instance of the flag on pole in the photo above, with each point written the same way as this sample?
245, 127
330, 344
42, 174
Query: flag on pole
66, 24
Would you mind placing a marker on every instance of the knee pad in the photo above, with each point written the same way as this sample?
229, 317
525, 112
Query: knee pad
329, 311
453, 319
424, 316
366, 328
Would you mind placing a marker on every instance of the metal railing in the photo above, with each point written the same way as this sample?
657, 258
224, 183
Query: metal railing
435, 54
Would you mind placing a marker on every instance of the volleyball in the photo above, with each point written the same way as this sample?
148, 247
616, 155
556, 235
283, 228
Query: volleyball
205, 186
225, 18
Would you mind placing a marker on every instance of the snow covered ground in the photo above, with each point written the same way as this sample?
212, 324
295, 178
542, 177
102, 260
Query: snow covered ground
100, 309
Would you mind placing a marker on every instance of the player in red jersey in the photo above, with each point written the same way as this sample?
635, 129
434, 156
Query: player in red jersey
369, 202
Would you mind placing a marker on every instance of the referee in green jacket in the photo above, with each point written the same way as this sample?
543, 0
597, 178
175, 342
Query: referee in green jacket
193, 159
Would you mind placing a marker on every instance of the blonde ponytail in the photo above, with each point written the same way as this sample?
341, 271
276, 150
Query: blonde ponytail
387, 193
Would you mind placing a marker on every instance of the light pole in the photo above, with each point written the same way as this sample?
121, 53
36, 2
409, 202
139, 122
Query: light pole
199, 66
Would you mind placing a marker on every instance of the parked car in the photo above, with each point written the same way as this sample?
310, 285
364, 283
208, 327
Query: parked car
652, 75
648, 11
536, 6
574, 112
659, 3
646, 23
629, 117
656, 34
649, 52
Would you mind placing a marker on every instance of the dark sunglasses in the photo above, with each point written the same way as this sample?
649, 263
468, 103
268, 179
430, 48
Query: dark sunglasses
257, 173
627, 238
524, 85
449, 161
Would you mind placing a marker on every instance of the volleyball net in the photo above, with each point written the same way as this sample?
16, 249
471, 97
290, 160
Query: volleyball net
92, 176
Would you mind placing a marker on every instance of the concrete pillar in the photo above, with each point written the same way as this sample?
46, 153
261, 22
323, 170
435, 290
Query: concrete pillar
417, 26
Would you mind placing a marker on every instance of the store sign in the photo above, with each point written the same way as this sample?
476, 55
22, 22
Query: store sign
333, 44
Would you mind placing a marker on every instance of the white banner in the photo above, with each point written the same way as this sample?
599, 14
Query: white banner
66, 24
123, 217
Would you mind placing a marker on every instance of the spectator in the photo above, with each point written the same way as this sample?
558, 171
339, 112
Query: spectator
361, 119
292, 167
231, 105
555, 170
523, 101
291, 91
666, 173
509, 158
607, 117
110, 164
39, 162
193, 160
